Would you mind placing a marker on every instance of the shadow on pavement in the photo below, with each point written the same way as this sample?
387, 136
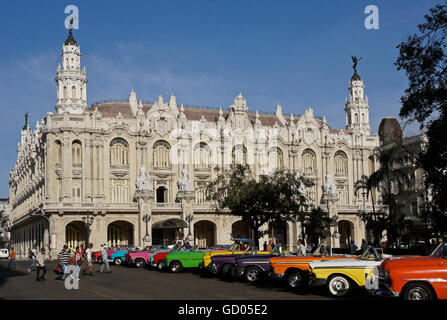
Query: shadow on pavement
6, 274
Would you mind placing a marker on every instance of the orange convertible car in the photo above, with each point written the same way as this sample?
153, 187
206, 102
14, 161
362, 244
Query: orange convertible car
295, 269
413, 278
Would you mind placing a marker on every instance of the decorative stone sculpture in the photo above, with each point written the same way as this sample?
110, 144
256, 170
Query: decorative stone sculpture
328, 187
144, 181
184, 183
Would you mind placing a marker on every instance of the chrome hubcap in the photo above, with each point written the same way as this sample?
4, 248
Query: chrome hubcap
252, 275
294, 280
339, 286
418, 294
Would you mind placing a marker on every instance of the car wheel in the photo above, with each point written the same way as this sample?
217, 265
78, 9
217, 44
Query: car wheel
338, 285
294, 279
176, 267
418, 291
117, 261
160, 265
140, 263
252, 274
229, 270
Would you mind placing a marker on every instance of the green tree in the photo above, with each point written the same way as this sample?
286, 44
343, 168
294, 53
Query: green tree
423, 57
270, 200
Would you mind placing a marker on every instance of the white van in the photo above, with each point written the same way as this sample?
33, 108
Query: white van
4, 253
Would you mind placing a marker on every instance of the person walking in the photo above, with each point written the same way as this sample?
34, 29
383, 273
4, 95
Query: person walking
352, 247
105, 260
12, 259
78, 258
62, 260
301, 248
265, 245
40, 265
89, 253
32, 256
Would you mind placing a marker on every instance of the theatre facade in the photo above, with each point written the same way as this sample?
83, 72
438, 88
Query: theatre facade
128, 172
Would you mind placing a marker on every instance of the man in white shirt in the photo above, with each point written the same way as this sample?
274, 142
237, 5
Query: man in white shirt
301, 248
40, 265
89, 253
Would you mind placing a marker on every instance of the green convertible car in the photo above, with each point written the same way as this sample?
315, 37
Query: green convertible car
184, 259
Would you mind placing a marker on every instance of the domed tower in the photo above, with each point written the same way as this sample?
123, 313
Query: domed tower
390, 131
357, 106
71, 80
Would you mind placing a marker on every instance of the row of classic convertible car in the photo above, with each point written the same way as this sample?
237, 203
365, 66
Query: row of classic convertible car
409, 277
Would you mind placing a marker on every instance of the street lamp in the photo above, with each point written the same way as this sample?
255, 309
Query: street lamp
189, 218
146, 219
88, 221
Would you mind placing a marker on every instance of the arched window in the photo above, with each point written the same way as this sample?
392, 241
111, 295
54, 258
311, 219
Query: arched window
64, 93
161, 154
309, 161
73, 92
119, 152
341, 163
363, 118
76, 153
239, 154
356, 118
276, 158
58, 152
202, 155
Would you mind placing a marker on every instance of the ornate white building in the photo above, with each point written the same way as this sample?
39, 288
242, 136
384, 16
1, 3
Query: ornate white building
115, 172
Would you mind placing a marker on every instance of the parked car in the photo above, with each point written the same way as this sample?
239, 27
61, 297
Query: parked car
158, 258
257, 266
295, 270
238, 247
142, 258
97, 255
119, 257
4, 253
413, 278
226, 264
340, 275
180, 259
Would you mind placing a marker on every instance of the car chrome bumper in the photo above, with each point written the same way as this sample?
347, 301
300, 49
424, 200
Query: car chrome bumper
384, 290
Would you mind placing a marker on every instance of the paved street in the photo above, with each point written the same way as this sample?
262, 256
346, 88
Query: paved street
131, 283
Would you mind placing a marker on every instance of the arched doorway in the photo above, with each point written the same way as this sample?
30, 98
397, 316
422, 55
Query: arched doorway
205, 233
75, 234
346, 231
240, 229
166, 232
279, 234
120, 233
162, 195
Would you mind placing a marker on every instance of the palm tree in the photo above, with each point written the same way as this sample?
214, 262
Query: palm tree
366, 185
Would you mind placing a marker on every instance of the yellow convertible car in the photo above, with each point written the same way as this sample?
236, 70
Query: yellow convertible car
340, 275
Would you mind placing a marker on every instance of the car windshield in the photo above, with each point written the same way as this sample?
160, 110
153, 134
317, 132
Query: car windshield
441, 250
372, 253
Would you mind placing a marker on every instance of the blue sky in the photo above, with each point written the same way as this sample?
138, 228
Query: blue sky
296, 53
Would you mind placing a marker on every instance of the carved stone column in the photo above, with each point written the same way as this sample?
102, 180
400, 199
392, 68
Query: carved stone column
187, 198
144, 199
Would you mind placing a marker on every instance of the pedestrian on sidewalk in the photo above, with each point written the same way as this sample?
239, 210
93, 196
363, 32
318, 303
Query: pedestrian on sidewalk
89, 253
105, 260
78, 259
301, 248
62, 260
40, 261
12, 259
32, 256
